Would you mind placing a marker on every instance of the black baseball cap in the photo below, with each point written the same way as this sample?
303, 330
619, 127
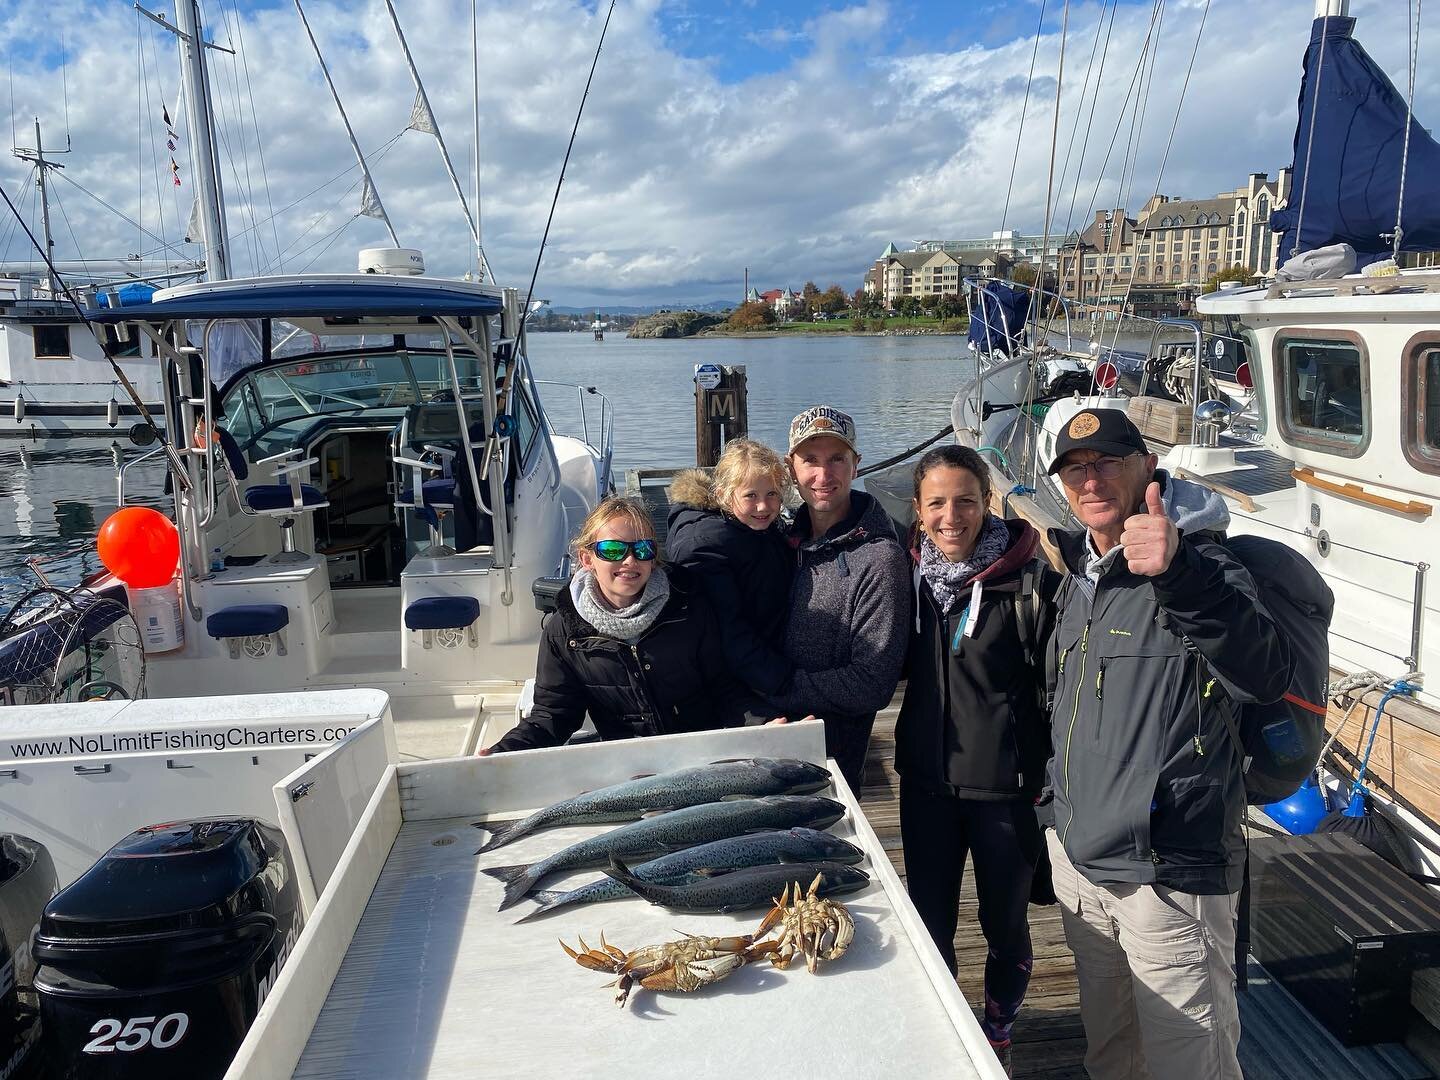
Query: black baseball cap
1107, 431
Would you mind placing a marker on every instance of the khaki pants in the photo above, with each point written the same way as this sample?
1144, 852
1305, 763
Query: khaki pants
1156, 973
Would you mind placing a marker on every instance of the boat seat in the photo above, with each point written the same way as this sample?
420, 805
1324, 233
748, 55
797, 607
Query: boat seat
436, 498
252, 627
281, 500
445, 614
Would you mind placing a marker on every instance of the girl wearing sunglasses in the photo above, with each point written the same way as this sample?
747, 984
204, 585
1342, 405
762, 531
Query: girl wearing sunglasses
630, 643
725, 528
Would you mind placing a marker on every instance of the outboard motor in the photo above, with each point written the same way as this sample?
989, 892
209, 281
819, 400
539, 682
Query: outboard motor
27, 881
155, 961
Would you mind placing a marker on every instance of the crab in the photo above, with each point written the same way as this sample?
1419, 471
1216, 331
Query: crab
689, 964
817, 928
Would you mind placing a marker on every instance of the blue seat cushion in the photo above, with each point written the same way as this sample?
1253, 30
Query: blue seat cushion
248, 620
279, 497
438, 492
442, 613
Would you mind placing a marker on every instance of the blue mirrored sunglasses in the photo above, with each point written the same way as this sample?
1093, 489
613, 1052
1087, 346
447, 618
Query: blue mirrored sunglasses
617, 550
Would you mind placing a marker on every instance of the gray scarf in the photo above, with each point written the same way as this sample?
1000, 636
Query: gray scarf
627, 623
947, 578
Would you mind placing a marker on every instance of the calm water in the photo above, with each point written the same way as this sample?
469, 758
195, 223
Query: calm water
55, 495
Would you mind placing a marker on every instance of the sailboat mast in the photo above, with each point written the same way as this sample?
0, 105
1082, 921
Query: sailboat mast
195, 82
41, 165
1324, 8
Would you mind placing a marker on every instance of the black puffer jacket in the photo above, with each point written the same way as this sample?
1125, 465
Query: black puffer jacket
973, 723
745, 575
672, 679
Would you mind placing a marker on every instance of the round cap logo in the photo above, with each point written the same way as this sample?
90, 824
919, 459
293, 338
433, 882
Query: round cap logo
1083, 426
820, 423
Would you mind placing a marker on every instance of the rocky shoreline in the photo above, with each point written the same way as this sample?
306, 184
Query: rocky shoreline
683, 324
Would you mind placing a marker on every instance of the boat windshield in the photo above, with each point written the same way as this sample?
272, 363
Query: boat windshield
269, 406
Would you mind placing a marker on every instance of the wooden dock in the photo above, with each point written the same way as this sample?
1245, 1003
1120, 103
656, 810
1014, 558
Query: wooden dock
1049, 1041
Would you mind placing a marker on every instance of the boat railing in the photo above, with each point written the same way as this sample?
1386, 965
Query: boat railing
126, 466
596, 416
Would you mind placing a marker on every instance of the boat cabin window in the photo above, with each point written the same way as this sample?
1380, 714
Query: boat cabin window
1422, 404
52, 342
1323, 394
526, 426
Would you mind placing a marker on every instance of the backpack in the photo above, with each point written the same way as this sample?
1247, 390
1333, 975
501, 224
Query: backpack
1039, 588
1280, 743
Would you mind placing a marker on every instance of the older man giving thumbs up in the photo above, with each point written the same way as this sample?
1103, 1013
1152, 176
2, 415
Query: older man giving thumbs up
1158, 635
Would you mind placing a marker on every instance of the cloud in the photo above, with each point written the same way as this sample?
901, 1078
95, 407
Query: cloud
694, 160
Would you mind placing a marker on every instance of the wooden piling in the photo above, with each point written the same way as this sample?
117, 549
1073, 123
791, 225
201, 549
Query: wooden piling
721, 410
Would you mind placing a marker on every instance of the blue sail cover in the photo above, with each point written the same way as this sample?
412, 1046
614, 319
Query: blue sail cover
999, 308
1352, 186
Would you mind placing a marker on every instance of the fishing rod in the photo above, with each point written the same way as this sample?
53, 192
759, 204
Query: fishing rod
563, 165
177, 467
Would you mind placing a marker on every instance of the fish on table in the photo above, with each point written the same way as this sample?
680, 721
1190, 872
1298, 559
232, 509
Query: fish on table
744, 889
728, 779
795, 845
671, 831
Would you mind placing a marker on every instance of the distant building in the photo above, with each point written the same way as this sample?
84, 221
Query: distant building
1155, 264
938, 272
1017, 247
784, 302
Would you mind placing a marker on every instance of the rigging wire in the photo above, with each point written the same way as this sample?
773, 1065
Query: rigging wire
165, 245
1414, 43
154, 156
75, 240
1132, 91
223, 125
1310, 138
1164, 160
255, 122
1024, 108
10, 227
560, 182
1054, 145
1080, 109
181, 478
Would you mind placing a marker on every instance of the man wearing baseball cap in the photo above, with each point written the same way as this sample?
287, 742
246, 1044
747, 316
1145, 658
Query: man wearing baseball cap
849, 604
1158, 637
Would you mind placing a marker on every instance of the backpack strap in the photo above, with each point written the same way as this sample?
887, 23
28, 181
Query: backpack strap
1027, 613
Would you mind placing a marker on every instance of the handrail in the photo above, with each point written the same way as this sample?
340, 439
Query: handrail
1220, 489
125, 467
1355, 492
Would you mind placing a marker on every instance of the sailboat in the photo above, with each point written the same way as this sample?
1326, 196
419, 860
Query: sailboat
1333, 448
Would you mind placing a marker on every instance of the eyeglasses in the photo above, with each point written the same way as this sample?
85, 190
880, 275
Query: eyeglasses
1106, 468
617, 550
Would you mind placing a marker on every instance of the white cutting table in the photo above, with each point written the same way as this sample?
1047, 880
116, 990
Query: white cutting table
407, 970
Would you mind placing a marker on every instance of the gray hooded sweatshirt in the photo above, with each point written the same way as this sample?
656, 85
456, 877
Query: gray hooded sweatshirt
1147, 781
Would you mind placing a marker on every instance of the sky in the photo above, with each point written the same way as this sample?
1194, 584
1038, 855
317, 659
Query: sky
718, 135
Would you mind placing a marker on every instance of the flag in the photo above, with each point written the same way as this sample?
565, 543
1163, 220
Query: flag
370, 202
171, 144
165, 115
420, 117
192, 228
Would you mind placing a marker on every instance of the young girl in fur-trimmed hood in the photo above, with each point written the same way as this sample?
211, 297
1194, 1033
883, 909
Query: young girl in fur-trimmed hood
725, 528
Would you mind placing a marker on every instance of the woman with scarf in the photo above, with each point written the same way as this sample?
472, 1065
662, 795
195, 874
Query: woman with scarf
628, 643
973, 737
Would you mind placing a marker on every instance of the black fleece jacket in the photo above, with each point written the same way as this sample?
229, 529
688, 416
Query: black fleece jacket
745, 575
973, 723
673, 679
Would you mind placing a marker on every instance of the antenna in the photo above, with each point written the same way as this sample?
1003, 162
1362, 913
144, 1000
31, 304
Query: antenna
37, 158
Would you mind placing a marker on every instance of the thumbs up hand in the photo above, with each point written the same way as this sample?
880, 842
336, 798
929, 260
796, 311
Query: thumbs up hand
1150, 539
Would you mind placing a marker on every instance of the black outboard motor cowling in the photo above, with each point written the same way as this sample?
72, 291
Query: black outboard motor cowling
155, 961
27, 881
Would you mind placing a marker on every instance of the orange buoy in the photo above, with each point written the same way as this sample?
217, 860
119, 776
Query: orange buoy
139, 546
